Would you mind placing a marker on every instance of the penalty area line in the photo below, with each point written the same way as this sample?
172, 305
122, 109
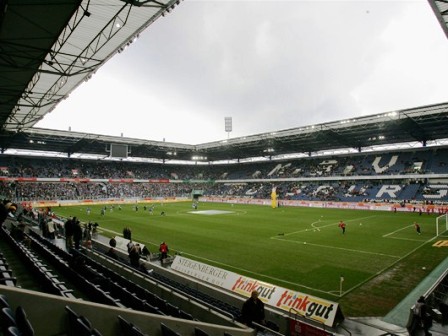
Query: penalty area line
393, 232
314, 226
408, 239
339, 248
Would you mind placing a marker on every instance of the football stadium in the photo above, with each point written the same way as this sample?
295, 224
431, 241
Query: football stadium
340, 228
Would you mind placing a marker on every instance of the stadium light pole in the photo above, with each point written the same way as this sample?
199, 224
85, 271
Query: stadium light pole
228, 125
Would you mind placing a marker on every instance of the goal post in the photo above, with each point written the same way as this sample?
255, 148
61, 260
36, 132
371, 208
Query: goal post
441, 224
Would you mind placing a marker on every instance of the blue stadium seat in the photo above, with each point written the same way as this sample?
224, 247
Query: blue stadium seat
172, 310
200, 332
7, 319
4, 303
13, 331
149, 308
272, 325
129, 329
184, 315
167, 331
79, 325
23, 323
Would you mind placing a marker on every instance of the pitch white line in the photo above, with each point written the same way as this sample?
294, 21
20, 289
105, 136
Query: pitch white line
315, 227
338, 248
408, 239
324, 226
111, 231
257, 274
240, 269
386, 268
227, 266
398, 230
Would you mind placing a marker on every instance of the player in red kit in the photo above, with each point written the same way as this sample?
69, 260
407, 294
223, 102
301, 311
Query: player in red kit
342, 226
417, 228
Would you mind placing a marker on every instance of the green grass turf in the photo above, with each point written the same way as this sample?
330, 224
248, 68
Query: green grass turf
297, 248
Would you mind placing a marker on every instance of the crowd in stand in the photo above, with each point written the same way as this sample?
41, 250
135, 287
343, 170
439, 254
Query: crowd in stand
290, 190
366, 164
268, 174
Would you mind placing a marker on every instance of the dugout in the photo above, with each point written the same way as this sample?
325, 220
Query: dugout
195, 194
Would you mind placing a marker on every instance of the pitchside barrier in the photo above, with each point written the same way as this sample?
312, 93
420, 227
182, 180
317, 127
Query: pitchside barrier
321, 311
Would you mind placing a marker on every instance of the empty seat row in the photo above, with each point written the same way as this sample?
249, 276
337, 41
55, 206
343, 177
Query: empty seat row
14, 322
6, 274
63, 254
73, 266
70, 267
45, 276
79, 325
129, 329
103, 285
162, 305
205, 299
127, 291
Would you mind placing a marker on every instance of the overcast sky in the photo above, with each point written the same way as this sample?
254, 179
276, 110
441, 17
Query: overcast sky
269, 65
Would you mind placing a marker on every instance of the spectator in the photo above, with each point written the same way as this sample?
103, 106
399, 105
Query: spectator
112, 242
77, 234
134, 256
130, 245
18, 233
51, 228
145, 252
253, 310
127, 234
112, 253
163, 249
69, 231
95, 229
422, 314
88, 244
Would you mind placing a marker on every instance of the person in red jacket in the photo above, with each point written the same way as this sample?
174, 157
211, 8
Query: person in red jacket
342, 226
163, 249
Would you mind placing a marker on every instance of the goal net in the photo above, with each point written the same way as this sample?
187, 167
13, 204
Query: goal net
442, 225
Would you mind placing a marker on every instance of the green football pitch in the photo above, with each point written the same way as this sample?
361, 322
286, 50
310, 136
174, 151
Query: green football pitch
381, 257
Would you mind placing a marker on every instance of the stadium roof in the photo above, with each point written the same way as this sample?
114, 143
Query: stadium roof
421, 125
440, 8
43, 60
49, 47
